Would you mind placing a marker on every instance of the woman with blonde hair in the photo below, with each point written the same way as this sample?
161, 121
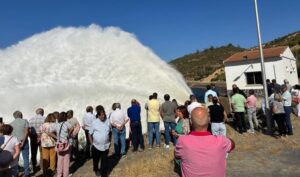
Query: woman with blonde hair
279, 114
48, 139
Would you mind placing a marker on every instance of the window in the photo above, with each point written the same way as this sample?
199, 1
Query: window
254, 78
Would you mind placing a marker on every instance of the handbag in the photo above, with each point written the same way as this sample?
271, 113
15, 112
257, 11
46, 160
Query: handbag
6, 157
186, 126
75, 131
295, 99
60, 146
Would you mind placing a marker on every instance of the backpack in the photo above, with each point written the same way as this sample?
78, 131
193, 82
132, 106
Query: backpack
6, 157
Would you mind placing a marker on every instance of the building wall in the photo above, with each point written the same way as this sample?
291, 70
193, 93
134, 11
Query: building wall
235, 72
279, 68
290, 67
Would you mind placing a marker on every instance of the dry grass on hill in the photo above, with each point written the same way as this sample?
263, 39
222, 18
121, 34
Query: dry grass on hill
151, 163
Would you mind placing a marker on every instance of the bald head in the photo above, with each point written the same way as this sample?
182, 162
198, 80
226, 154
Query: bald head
200, 119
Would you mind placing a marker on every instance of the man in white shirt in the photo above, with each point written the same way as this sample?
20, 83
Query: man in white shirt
87, 122
99, 137
35, 124
118, 119
287, 103
194, 104
209, 92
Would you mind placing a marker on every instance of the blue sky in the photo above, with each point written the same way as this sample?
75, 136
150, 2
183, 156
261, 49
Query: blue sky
171, 28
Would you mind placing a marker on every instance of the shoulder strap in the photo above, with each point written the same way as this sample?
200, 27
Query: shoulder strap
60, 131
50, 134
7, 142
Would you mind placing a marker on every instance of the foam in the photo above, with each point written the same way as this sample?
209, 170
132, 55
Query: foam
70, 68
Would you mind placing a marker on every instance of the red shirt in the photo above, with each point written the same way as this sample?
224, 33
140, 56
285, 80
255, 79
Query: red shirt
203, 154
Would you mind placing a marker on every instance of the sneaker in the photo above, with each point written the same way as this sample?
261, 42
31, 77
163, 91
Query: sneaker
123, 156
141, 149
250, 131
150, 146
167, 146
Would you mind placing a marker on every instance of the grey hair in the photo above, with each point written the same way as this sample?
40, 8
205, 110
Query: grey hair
18, 114
40, 111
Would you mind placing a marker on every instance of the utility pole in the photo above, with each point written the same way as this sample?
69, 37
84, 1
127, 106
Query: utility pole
268, 116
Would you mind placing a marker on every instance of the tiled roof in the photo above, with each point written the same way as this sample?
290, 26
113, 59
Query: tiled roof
254, 54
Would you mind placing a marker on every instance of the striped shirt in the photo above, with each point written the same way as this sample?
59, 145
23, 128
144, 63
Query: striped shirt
35, 124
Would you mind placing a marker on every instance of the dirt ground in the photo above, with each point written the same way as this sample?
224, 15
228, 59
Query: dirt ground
255, 155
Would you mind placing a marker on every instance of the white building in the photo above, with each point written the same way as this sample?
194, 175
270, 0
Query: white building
244, 69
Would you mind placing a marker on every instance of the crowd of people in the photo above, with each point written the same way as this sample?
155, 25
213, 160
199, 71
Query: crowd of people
280, 98
197, 131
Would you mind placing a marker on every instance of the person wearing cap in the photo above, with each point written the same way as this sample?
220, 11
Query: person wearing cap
134, 114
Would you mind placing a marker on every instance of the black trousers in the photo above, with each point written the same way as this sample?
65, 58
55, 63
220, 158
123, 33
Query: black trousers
34, 146
74, 150
137, 135
97, 155
88, 145
240, 121
280, 120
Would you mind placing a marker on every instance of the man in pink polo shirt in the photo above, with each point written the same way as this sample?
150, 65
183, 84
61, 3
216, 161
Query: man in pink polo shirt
200, 152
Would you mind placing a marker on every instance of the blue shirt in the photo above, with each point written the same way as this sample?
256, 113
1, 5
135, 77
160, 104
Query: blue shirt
134, 113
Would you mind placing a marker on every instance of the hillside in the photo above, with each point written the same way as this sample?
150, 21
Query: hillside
293, 41
201, 65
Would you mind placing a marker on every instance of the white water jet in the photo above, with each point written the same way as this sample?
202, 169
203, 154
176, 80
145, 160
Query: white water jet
70, 68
